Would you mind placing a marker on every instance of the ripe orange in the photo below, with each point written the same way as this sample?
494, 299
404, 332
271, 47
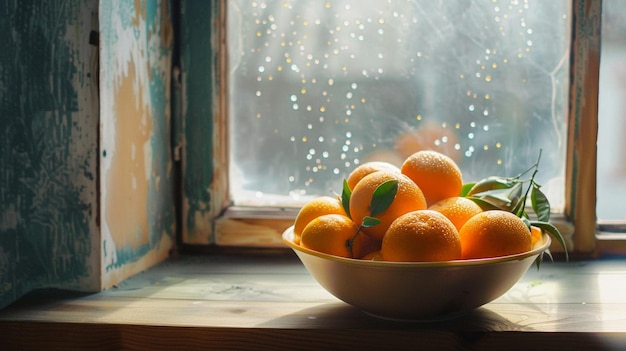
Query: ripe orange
330, 233
536, 234
494, 233
457, 209
369, 167
408, 198
436, 174
373, 256
421, 236
317, 207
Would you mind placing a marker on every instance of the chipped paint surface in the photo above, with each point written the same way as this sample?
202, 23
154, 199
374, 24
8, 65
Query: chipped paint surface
137, 178
48, 147
202, 198
55, 228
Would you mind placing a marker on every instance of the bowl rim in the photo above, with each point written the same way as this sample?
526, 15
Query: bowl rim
287, 237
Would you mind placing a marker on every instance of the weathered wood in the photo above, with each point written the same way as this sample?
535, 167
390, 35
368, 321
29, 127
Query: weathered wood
580, 172
49, 115
251, 232
136, 179
204, 146
256, 302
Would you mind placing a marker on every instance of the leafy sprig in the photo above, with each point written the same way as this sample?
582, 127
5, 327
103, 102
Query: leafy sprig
507, 193
382, 198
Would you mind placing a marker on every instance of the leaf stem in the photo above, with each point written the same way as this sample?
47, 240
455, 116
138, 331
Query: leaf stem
350, 242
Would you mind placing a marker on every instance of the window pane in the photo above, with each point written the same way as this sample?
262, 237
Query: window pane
611, 176
318, 87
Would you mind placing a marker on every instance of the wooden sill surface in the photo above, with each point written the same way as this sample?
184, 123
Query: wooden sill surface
271, 302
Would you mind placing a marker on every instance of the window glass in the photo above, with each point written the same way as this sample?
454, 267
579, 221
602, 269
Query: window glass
318, 87
611, 173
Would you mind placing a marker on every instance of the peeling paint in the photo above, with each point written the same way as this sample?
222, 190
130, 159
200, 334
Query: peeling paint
199, 97
137, 196
55, 230
48, 147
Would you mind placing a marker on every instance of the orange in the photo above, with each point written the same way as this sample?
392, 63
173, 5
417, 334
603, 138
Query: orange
457, 209
536, 234
494, 233
421, 236
373, 256
369, 167
317, 207
436, 174
330, 233
408, 198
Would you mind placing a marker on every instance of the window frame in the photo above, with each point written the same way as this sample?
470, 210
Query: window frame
218, 223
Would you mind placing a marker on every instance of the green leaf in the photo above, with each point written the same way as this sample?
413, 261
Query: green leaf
383, 197
466, 188
346, 193
526, 221
539, 258
495, 202
515, 194
554, 232
486, 204
370, 221
540, 204
492, 183
520, 208
538, 261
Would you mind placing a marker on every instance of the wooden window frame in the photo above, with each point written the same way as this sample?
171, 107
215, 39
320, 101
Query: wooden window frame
220, 224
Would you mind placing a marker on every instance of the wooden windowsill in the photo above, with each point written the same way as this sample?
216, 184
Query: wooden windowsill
256, 302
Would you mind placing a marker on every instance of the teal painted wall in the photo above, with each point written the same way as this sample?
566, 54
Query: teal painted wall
86, 173
48, 147
202, 195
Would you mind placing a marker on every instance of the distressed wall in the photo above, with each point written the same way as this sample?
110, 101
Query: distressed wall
48, 147
86, 185
137, 212
204, 192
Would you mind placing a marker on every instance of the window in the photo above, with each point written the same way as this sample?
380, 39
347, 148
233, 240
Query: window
485, 81
611, 170
328, 85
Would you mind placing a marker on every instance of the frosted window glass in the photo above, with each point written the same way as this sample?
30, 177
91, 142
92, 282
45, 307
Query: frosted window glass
611, 174
318, 87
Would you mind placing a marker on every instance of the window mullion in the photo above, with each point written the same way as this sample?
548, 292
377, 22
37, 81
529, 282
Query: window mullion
583, 122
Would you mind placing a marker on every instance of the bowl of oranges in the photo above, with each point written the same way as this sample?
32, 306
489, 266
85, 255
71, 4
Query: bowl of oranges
417, 243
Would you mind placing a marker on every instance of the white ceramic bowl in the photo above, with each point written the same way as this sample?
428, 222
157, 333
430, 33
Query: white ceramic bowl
416, 291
